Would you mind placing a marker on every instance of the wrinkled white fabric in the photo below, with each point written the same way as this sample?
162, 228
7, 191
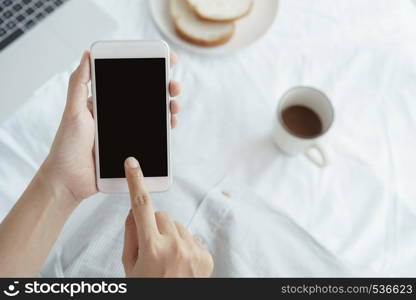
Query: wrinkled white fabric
261, 213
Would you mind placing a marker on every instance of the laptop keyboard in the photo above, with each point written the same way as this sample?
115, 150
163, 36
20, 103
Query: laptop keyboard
18, 16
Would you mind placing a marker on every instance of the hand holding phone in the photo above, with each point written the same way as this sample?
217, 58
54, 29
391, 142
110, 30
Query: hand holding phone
70, 162
131, 108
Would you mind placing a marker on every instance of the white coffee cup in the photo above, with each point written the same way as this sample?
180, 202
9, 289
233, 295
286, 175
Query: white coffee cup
289, 142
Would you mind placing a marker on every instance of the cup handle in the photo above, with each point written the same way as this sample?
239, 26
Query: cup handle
321, 162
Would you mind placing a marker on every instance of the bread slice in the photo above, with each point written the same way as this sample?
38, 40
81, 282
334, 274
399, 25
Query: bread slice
195, 31
221, 10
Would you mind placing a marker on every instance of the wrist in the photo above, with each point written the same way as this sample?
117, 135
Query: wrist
53, 184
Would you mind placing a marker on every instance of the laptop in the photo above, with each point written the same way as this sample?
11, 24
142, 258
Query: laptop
39, 38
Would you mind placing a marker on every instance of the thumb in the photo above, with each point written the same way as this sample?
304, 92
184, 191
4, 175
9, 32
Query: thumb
131, 246
78, 86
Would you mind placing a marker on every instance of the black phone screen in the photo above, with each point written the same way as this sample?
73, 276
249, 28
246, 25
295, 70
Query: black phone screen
131, 115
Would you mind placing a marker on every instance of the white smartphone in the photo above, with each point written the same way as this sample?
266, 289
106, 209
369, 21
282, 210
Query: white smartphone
131, 110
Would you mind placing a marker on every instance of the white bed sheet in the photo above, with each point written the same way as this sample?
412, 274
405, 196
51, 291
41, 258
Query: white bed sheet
261, 213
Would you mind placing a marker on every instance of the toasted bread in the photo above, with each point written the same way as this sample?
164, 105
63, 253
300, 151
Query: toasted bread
221, 10
196, 31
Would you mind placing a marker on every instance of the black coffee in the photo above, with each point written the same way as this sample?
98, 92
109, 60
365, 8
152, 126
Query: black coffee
302, 121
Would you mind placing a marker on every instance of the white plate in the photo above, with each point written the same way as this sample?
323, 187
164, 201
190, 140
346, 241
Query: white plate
249, 29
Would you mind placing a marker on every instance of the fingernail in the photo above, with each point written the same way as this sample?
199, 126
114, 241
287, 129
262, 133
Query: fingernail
83, 57
132, 163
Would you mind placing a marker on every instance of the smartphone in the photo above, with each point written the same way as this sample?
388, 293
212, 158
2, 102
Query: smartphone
131, 110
